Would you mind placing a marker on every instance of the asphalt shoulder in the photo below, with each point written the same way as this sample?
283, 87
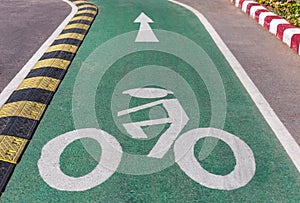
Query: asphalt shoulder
272, 66
25, 26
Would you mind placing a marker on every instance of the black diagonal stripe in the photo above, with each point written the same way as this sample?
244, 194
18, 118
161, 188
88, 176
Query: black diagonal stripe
85, 14
58, 54
31, 94
79, 21
18, 126
51, 72
75, 30
3, 123
70, 41
6, 170
88, 8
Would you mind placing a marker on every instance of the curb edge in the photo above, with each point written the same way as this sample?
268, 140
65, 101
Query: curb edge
22, 112
285, 32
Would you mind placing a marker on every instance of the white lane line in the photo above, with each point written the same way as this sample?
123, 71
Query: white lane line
282, 134
14, 83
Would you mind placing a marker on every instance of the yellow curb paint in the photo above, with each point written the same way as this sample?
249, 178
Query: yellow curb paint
77, 25
40, 82
55, 63
82, 18
11, 148
86, 6
71, 35
87, 11
26, 109
63, 47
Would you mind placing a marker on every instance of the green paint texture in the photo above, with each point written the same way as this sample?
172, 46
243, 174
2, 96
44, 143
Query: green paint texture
276, 179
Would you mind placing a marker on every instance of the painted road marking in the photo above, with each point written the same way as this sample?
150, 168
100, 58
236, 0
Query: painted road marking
71, 35
104, 73
87, 12
78, 25
82, 18
145, 33
177, 118
11, 148
55, 63
149, 93
24, 107
282, 134
243, 172
45, 83
63, 47
244, 169
49, 163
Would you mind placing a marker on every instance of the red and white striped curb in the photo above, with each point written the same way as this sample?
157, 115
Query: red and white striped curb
287, 33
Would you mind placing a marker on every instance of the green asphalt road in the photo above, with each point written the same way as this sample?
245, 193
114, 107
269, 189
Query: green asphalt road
153, 65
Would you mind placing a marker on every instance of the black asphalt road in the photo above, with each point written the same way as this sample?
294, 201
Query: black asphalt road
24, 26
272, 66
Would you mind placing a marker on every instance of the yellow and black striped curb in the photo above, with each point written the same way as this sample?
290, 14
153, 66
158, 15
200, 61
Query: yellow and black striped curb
23, 110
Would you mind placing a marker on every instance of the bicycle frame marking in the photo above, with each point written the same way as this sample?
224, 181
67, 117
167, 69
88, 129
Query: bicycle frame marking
177, 118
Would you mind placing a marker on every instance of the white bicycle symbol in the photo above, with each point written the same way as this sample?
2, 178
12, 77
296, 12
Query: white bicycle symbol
183, 147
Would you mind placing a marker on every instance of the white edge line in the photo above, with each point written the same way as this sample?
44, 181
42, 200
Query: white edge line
282, 134
14, 83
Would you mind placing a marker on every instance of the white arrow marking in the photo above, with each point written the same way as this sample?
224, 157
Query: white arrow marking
145, 33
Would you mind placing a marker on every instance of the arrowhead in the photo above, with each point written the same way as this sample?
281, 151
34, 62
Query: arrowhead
143, 18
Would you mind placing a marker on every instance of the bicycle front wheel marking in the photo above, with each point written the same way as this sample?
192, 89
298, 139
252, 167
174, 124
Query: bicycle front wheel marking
243, 171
